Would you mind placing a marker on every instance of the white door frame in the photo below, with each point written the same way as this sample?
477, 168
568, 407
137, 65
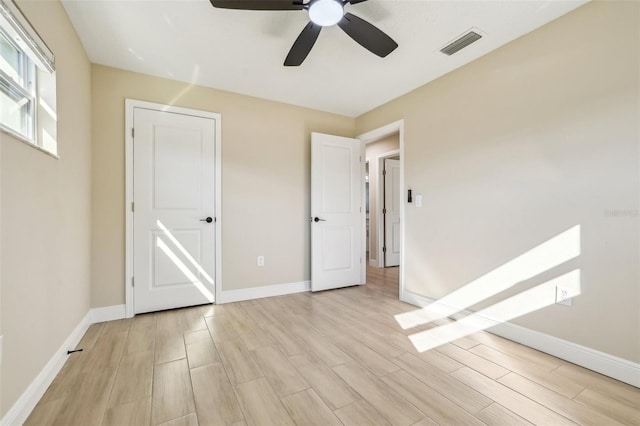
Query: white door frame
380, 217
376, 135
130, 104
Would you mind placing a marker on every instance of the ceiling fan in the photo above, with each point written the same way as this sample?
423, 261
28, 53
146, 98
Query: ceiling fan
322, 13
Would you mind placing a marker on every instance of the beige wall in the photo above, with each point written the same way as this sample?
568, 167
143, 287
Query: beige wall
520, 145
265, 179
390, 143
45, 229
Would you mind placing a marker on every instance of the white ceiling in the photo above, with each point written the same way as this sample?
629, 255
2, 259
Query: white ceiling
243, 51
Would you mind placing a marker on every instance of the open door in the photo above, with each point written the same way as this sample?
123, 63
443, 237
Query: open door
337, 212
391, 212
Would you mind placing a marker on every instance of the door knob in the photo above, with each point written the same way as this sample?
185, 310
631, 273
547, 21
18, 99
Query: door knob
208, 220
317, 219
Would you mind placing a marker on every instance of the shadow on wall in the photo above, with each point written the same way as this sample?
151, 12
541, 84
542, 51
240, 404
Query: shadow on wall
553, 252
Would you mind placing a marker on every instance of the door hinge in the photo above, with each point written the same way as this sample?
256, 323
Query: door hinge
384, 173
384, 249
384, 211
133, 207
133, 282
133, 132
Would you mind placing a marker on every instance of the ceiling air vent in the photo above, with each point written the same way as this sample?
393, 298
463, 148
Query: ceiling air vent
461, 43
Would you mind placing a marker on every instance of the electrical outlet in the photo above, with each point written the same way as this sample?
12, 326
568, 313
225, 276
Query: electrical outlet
563, 296
260, 260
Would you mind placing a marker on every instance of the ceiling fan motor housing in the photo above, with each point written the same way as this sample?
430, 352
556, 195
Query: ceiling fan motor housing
326, 12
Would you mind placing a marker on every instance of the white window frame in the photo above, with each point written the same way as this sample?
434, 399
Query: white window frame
24, 88
37, 63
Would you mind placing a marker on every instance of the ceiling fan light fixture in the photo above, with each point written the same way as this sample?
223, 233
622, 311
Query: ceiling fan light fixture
326, 12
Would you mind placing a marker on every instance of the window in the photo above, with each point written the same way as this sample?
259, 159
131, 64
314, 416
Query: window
27, 81
16, 88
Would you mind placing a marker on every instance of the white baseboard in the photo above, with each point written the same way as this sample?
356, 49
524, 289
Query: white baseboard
373, 262
264, 291
108, 313
603, 363
19, 412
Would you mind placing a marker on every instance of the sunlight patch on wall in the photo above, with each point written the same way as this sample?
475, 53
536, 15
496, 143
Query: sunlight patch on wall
553, 252
523, 303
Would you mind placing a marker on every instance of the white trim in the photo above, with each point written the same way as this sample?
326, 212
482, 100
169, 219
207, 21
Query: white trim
380, 202
130, 104
603, 363
382, 132
18, 26
373, 262
263, 291
19, 412
377, 134
363, 214
25, 140
108, 313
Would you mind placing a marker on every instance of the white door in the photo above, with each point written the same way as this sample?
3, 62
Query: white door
337, 213
391, 213
173, 223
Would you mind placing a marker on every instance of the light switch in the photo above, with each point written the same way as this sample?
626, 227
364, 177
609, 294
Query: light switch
418, 200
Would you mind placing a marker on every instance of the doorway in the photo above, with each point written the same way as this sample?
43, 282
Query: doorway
173, 207
385, 224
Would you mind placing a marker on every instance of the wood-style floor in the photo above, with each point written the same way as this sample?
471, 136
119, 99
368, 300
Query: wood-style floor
331, 358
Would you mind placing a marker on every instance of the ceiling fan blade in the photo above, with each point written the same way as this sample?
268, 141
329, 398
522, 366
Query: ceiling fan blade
367, 35
303, 44
258, 4
356, 1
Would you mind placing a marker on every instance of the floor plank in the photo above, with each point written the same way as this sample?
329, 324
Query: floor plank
134, 379
472, 400
473, 361
238, 361
133, 413
360, 413
497, 415
87, 404
222, 328
522, 406
188, 420
324, 381
429, 401
169, 338
281, 374
601, 384
612, 407
364, 355
215, 401
260, 404
306, 408
569, 408
395, 409
200, 349
46, 413
172, 392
